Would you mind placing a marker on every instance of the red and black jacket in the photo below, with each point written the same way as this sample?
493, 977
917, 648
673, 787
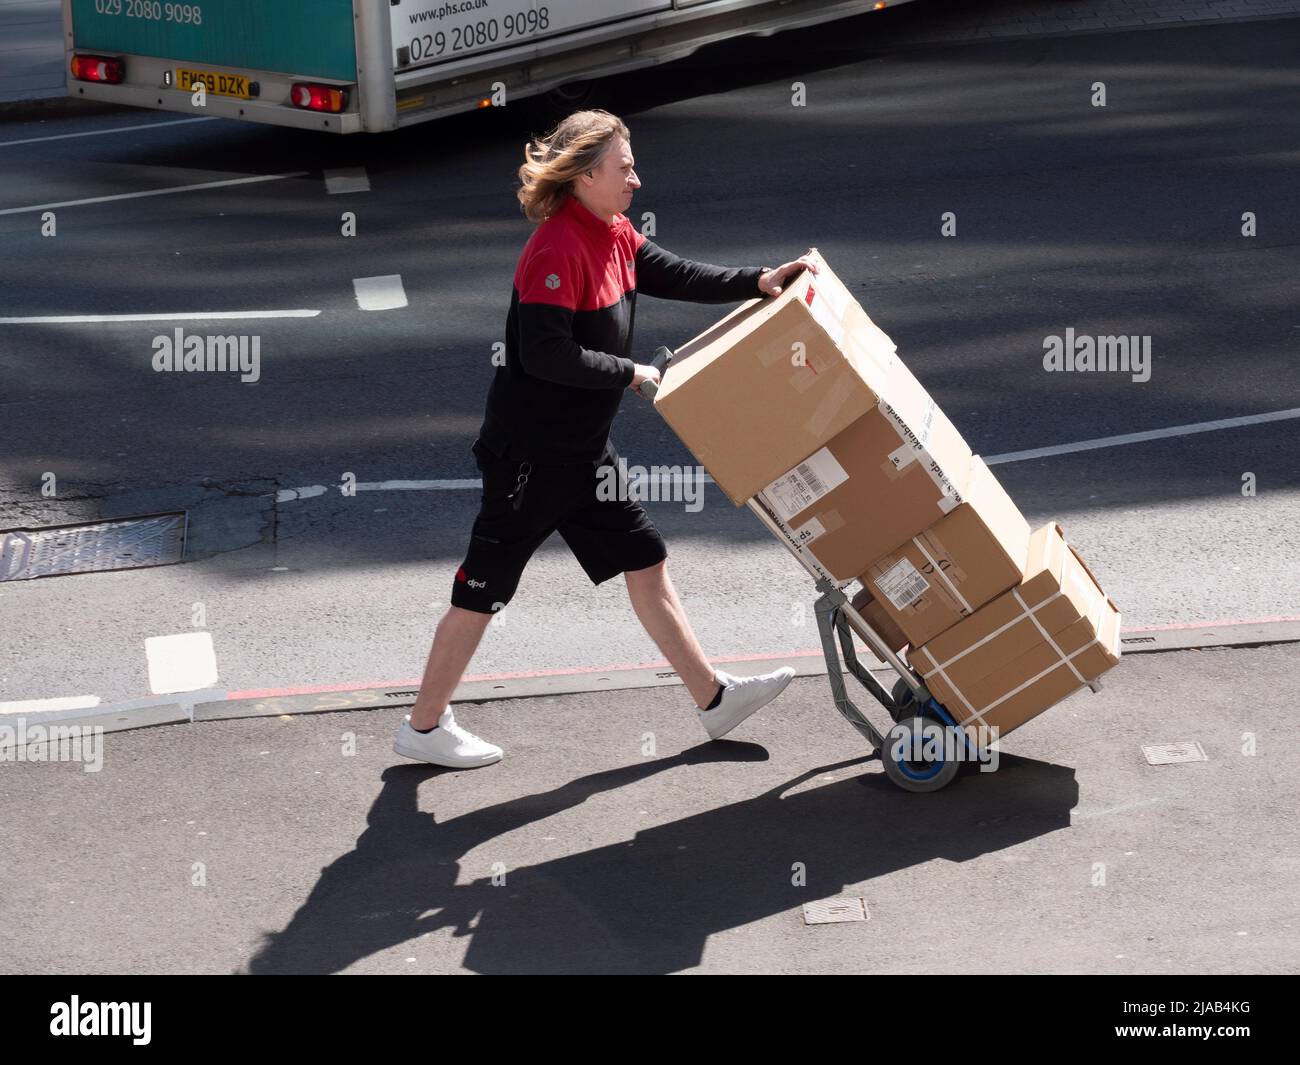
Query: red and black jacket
569, 331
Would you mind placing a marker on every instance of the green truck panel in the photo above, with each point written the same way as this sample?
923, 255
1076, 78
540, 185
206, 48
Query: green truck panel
255, 34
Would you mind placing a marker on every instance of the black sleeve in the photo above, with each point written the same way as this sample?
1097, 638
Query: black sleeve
665, 276
547, 350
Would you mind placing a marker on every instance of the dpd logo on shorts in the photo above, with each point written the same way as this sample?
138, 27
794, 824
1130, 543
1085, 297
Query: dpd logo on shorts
461, 576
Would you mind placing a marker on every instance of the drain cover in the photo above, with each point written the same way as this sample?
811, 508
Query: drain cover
834, 911
1170, 753
128, 543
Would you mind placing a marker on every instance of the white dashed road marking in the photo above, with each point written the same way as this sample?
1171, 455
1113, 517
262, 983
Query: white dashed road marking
353, 179
155, 192
383, 293
105, 132
70, 319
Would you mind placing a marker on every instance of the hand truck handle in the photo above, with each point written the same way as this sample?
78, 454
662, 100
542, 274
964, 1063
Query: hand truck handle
660, 360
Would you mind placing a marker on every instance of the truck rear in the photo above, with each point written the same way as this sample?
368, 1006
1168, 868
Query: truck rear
347, 66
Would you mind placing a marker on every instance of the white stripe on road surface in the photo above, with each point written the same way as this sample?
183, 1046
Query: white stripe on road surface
383, 293
155, 192
104, 132
354, 179
68, 319
286, 494
1083, 815
36, 706
184, 662
1137, 438
306, 492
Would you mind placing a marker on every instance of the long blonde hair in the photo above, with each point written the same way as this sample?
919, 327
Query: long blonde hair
575, 146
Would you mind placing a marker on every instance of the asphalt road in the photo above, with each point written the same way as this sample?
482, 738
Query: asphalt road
1124, 219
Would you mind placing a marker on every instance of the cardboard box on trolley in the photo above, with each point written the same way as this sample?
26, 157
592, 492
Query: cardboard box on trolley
895, 471
1027, 649
774, 380
945, 572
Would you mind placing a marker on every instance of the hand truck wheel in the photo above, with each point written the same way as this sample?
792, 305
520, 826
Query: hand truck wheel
916, 754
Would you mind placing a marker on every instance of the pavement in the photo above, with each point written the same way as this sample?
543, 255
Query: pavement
614, 838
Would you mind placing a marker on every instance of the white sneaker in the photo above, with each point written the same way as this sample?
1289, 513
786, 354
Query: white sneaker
741, 696
447, 745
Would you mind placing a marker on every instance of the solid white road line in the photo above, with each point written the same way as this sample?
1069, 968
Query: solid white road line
104, 132
155, 192
36, 706
1137, 438
383, 293
307, 492
68, 319
184, 662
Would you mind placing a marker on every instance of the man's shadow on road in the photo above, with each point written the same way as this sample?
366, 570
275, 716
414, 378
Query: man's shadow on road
646, 905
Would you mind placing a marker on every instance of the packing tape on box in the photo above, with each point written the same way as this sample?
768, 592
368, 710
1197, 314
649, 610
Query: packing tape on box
1095, 642
831, 521
782, 347
837, 394
914, 449
1029, 612
942, 574
800, 380
1048, 636
1048, 545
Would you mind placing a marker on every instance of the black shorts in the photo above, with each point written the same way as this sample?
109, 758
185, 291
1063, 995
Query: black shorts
608, 536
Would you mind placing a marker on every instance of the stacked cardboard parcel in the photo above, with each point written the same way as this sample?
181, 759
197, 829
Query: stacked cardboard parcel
802, 401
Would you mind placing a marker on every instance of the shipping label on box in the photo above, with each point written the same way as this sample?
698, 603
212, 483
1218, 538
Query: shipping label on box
799, 489
968, 557
901, 584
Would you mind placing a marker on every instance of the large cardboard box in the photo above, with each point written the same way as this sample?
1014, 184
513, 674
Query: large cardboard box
774, 380
895, 471
1027, 649
967, 557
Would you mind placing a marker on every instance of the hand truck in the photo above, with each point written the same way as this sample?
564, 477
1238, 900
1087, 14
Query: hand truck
912, 759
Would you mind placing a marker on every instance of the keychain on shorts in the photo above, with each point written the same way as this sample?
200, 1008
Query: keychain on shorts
521, 482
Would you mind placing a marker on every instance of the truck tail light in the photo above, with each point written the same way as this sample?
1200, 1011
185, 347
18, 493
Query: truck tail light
318, 97
98, 68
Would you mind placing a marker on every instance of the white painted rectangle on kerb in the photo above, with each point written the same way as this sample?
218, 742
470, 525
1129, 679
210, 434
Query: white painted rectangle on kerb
184, 662
383, 293
353, 179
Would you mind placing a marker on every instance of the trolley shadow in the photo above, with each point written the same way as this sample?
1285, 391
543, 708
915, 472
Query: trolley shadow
647, 904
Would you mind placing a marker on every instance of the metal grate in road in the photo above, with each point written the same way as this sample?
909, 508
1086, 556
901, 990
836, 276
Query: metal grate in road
128, 543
